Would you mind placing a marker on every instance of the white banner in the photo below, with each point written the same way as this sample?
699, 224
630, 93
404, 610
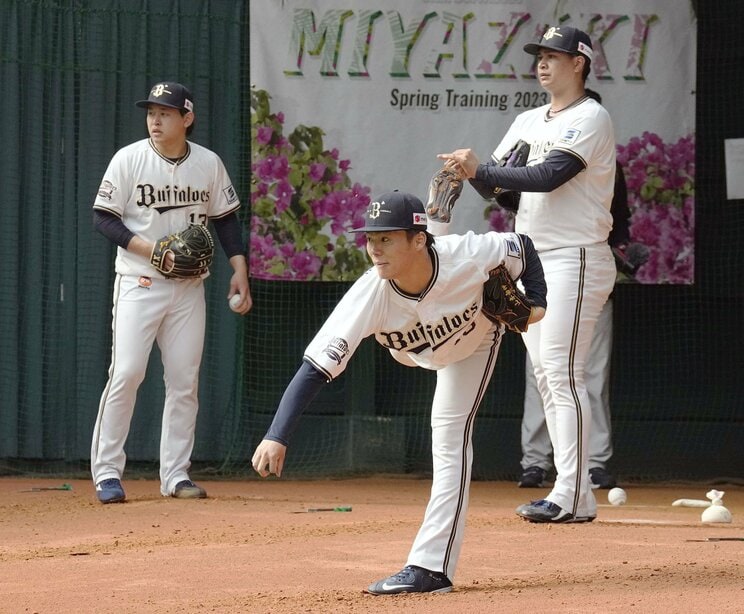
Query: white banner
385, 85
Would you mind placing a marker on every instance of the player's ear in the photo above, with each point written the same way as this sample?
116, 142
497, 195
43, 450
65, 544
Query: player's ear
188, 119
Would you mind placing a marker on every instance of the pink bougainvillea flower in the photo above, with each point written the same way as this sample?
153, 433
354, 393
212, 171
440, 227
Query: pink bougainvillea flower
317, 170
264, 134
303, 201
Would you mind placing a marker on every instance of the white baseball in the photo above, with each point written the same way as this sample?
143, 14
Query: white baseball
617, 496
234, 301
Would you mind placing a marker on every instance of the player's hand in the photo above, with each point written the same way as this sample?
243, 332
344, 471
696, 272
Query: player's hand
462, 161
239, 285
169, 261
269, 458
536, 314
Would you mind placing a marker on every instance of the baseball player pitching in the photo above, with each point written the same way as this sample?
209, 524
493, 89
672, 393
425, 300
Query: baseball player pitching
422, 300
151, 191
566, 187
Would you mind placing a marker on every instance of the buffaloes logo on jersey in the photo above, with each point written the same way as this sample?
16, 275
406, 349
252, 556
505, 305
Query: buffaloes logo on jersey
337, 349
106, 190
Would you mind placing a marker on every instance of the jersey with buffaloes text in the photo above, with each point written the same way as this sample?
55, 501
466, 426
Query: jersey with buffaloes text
441, 326
155, 196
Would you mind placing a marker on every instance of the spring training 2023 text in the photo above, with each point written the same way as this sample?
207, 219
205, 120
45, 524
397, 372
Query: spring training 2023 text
451, 99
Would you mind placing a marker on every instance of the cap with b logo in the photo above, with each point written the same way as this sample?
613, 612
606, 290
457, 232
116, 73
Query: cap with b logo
563, 38
394, 211
169, 94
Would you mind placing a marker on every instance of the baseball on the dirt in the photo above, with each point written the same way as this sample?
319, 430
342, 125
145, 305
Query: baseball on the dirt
234, 301
617, 496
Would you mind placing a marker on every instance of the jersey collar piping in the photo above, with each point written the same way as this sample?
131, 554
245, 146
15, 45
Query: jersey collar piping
171, 160
435, 272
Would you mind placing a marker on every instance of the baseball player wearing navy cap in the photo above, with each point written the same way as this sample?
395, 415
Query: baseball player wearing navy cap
567, 188
153, 188
422, 301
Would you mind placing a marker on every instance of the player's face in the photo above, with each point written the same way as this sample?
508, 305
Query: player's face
166, 125
555, 69
391, 253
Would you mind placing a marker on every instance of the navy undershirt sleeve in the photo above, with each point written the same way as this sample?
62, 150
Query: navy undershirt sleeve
558, 168
111, 227
229, 234
304, 387
533, 278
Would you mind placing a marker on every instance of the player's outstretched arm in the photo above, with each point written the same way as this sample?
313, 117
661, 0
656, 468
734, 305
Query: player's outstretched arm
269, 458
304, 387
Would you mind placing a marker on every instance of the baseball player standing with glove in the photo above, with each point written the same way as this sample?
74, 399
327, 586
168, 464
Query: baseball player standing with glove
426, 301
566, 188
155, 201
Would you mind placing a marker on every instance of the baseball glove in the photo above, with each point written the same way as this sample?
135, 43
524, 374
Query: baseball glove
630, 258
516, 156
504, 303
445, 188
192, 249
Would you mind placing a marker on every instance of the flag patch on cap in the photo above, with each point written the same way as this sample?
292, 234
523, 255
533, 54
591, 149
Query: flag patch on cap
585, 49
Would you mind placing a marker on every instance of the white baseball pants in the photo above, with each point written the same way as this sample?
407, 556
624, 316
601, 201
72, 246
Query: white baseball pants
579, 280
537, 451
459, 391
173, 313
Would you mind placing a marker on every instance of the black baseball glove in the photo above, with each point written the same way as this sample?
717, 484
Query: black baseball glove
516, 156
445, 188
629, 258
192, 249
504, 303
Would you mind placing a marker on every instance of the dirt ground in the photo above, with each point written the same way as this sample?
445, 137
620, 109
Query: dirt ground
253, 547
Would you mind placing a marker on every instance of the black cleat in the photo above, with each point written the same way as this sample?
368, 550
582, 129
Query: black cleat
546, 511
533, 477
412, 579
599, 477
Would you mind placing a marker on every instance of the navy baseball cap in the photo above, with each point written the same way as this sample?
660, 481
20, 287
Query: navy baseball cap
394, 211
169, 94
563, 38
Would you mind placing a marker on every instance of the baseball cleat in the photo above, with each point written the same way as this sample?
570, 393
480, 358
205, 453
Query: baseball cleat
412, 579
110, 491
533, 477
599, 477
186, 489
543, 510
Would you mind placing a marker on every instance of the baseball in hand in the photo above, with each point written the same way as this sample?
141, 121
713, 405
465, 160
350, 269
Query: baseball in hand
617, 496
234, 302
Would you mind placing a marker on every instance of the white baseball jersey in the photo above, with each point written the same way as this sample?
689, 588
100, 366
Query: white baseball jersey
442, 326
155, 196
578, 212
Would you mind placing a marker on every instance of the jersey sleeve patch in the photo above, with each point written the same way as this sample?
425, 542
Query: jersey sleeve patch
337, 350
106, 190
230, 194
572, 135
513, 248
